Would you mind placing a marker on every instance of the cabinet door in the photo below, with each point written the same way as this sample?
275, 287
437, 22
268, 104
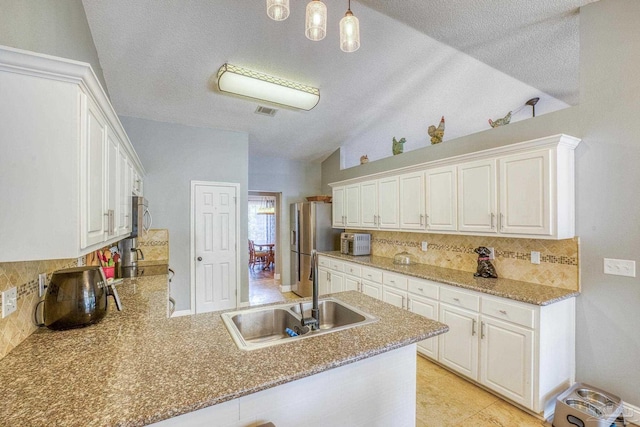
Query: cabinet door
352, 205
124, 213
336, 282
94, 209
525, 204
412, 201
458, 348
112, 179
137, 183
394, 296
441, 199
388, 207
351, 283
369, 204
323, 281
506, 361
429, 309
337, 206
371, 289
477, 203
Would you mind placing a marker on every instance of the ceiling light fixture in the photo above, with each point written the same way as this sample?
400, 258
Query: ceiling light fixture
253, 84
316, 22
349, 32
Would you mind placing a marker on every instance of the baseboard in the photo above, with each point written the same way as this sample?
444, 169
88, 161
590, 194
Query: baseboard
179, 313
285, 288
631, 413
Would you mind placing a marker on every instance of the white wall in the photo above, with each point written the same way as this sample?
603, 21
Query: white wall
608, 203
174, 155
295, 180
53, 27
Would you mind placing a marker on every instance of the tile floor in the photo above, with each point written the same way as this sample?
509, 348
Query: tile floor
443, 398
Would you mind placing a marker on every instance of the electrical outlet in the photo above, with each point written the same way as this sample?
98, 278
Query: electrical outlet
492, 253
9, 301
80, 261
620, 267
42, 283
535, 257
425, 246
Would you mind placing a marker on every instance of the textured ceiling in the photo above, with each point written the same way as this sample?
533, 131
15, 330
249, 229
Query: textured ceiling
159, 59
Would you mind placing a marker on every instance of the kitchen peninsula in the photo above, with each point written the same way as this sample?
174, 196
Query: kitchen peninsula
139, 367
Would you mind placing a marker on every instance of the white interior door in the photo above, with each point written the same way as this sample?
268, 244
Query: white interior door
215, 232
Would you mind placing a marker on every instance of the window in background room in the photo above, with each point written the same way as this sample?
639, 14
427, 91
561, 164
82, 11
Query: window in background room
262, 220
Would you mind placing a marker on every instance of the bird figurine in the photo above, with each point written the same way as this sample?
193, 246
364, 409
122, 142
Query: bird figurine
436, 133
364, 159
501, 122
398, 146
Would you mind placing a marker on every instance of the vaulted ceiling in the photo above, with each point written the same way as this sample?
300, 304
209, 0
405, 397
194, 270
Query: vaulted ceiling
420, 59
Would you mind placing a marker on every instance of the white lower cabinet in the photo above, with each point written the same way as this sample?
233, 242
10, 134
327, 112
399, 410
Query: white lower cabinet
323, 281
523, 352
458, 348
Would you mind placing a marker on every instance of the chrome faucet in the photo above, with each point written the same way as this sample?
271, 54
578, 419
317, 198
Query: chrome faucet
314, 320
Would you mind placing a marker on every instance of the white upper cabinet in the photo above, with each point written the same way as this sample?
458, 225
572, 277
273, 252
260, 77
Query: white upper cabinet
525, 194
412, 213
388, 203
352, 205
369, 204
519, 190
477, 202
442, 199
56, 121
337, 207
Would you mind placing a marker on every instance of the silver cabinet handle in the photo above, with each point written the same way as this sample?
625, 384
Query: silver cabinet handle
403, 306
421, 290
421, 219
501, 221
481, 330
473, 327
456, 299
504, 312
492, 217
427, 221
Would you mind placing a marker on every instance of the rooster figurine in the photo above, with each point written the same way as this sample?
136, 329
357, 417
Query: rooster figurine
398, 146
501, 122
436, 133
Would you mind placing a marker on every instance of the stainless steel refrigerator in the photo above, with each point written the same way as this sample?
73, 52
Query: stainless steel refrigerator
310, 229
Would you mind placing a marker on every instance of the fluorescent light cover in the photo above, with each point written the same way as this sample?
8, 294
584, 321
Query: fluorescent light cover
253, 84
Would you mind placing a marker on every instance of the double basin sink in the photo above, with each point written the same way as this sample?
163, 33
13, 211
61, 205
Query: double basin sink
266, 326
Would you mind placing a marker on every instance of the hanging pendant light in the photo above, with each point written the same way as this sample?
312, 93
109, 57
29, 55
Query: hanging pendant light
349, 32
316, 21
267, 207
278, 10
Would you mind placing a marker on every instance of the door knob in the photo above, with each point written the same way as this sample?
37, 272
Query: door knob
199, 258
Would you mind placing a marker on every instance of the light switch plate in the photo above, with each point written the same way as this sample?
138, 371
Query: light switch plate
425, 246
620, 267
9, 301
535, 257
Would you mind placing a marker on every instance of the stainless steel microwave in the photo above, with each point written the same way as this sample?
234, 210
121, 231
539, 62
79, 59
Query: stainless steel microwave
140, 216
355, 244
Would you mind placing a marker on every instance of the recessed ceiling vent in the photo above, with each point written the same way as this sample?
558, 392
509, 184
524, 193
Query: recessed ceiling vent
266, 111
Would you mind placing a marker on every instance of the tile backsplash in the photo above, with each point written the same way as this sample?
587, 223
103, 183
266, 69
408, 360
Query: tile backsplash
558, 258
16, 327
155, 246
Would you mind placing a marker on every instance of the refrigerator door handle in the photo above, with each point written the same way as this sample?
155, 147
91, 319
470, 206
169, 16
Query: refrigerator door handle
293, 237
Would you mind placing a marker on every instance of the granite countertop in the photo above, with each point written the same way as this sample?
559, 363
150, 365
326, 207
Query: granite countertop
530, 293
138, 366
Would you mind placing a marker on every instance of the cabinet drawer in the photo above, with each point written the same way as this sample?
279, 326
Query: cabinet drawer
424, 288
324, 262
394, 280
336, 265
509, 311
372, 274
460, 299
352, 269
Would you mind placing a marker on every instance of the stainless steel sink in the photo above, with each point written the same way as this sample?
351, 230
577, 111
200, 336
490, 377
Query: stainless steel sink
332, 314
265, 326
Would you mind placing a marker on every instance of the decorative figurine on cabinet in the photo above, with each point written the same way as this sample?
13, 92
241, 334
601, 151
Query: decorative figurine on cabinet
398, 146
436, 133
364, 159
485, 268
501, 122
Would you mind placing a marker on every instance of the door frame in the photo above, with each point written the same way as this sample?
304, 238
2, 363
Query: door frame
278, 253
192, 243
